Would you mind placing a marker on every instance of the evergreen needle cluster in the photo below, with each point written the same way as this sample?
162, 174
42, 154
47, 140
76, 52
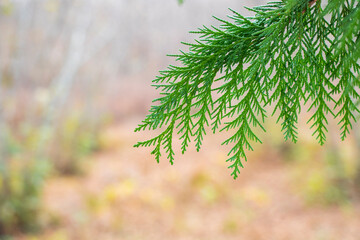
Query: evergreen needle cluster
290, 53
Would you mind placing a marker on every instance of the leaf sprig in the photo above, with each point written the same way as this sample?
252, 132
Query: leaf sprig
289, 54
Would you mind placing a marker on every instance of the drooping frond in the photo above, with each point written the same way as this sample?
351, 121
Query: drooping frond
289, 53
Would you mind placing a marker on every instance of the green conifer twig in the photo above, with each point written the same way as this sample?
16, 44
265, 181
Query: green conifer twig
289, 54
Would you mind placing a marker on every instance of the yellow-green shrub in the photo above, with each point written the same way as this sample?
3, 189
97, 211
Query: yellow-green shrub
74, 139
21, 184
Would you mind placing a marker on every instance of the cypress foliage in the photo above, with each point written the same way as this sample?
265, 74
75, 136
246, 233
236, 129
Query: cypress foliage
290, 53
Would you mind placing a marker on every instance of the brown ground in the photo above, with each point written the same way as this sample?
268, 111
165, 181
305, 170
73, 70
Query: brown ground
126, 195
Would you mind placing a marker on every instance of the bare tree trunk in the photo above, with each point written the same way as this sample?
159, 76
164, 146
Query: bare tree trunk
24, 16
62, 84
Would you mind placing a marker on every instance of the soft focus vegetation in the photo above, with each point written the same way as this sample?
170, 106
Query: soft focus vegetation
322, 175
74, 139
74, 82
21, 185
48, 121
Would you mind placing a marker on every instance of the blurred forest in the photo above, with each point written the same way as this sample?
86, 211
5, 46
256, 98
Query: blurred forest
75, 80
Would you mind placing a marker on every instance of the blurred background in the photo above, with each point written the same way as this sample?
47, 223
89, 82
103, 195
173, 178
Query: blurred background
75, 81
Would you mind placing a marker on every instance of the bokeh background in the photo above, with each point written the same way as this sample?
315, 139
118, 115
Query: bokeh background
75, 80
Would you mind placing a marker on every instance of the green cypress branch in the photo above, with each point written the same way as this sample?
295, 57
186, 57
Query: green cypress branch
289, 54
